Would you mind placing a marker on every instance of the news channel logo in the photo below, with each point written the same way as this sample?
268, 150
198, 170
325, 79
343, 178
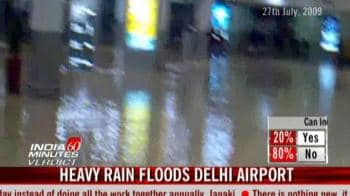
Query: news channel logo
54, 155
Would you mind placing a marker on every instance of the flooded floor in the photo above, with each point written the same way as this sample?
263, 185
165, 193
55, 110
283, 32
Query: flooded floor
195, 113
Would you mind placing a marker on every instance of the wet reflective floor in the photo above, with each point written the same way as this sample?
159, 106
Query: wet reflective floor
195, 113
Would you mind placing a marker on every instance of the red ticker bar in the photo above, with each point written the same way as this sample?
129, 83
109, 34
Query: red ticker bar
299, 175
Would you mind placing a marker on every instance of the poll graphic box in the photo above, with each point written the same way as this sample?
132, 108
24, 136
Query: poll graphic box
297, 140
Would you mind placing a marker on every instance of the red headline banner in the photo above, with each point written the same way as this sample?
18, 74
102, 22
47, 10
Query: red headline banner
175, 175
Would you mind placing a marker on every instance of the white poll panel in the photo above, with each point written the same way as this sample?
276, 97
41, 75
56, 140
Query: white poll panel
311, 138
311, 154
297, 140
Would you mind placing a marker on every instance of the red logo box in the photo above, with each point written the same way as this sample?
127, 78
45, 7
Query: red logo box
73, 144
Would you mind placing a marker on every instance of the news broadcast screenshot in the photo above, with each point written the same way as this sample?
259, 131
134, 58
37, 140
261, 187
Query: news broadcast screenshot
174, 97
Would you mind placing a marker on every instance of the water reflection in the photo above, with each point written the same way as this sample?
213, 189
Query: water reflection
218, 73
13, 116
218, 146
2, 118
176, 134
136, 115
119, 63
265, 111
97, 122
11, 137
218, 140
327, 79
327, 76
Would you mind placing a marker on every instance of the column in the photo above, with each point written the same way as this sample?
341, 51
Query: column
163, 32
164, 17
202, 17
106, 16
47, 48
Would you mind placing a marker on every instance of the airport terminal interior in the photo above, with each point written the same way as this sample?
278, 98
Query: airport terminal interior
170, 82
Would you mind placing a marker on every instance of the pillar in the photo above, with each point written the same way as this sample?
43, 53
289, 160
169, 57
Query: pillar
47, 24
163, 22
163, 32
202, 15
